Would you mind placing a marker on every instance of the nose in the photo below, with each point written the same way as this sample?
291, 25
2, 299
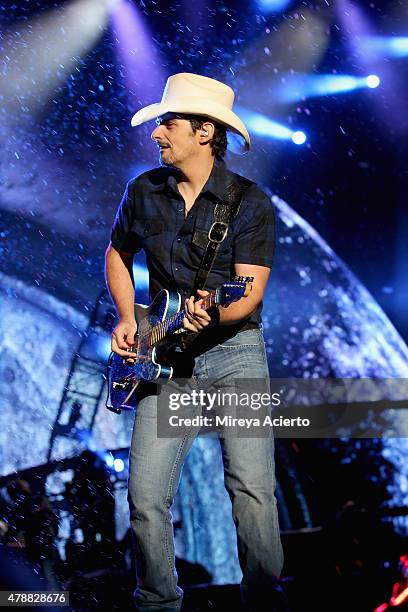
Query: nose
156, 132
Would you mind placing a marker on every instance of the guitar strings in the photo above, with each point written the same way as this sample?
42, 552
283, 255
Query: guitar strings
159, 331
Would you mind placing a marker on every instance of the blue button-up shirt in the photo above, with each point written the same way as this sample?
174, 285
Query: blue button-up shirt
152, 217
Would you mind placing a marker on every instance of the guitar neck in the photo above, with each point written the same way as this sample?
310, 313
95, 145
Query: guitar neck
174, 323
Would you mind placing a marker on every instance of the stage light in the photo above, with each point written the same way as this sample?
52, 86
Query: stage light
273, 6
371, 54
383, 46
97, 346
136, 51
372, 81
398, 46
266, 127
302, 87
118, 465
109, 460
299, 138
263, 126
41, 55
141, 276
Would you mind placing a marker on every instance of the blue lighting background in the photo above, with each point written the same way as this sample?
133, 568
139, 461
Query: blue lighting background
336, 302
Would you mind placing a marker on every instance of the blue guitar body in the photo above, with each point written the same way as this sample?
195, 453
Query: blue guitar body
155, 324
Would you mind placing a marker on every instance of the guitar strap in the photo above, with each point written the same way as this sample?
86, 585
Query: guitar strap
224, 212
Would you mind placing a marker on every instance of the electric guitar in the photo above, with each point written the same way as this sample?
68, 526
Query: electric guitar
157, 324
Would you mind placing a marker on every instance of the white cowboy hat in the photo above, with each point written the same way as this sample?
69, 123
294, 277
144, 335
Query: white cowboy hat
194, 94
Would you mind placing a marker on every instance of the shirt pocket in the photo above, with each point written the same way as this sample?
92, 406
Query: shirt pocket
151, 227
150, 232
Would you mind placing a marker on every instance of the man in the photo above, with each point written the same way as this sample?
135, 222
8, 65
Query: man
168, 212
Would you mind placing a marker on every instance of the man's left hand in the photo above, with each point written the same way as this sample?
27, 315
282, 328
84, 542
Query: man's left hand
196, 318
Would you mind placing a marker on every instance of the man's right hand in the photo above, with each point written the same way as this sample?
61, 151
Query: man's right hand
123, 338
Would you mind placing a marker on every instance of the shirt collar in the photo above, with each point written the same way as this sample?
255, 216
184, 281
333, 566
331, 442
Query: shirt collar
216, 184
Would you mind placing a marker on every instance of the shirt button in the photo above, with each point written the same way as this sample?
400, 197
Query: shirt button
181, 209
176, 269
178, 239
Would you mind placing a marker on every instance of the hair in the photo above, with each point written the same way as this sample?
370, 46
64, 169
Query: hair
218, 142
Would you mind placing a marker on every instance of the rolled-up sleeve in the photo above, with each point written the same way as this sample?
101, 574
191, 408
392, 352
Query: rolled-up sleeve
255, 231
123, 236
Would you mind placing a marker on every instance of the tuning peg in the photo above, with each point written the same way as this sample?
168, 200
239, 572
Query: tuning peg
243, 279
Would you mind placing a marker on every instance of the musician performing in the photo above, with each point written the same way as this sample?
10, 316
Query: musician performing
209, 236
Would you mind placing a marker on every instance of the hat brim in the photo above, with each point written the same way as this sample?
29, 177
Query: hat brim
238, 141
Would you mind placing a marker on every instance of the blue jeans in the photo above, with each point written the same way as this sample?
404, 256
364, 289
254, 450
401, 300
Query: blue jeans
154, 474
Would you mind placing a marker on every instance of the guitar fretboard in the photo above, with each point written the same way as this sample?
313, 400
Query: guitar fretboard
169, 326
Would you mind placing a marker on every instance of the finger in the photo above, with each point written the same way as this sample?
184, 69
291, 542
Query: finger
129, 362
131, 337
188, 316
199, 311
124, 354
197, 324
120, 350
202, 320
198, 308
190, 326
187, 325
198, 305
120, 340
125, 338
189, 305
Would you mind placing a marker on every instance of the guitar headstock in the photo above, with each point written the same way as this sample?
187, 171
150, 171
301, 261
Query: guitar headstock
234, 290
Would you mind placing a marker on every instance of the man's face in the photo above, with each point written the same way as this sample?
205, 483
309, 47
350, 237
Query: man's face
176, 140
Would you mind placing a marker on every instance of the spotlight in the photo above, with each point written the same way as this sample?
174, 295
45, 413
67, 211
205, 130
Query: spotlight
135, 48
272, 6
372, 81
111, 4
263, 126
399, 46
50, 47
384, 46
299, 138
142, 275
97, 346
118, 465
302, 87
109, 460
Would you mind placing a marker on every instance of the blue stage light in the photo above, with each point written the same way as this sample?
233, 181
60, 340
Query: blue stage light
97, 345
263, 126
385, 46
271, 6
373, 81
302, 87
141, 276
118, 465
398, 45
266, 127
299, 138
109, 460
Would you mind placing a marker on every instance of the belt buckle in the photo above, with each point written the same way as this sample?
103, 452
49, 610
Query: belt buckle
218, 226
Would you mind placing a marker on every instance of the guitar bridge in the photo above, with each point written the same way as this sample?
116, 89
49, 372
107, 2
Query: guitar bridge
122, 385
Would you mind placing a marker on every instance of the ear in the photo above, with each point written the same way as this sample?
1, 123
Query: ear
206, 132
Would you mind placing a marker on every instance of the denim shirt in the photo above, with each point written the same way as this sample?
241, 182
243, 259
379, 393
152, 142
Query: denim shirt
152, 217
